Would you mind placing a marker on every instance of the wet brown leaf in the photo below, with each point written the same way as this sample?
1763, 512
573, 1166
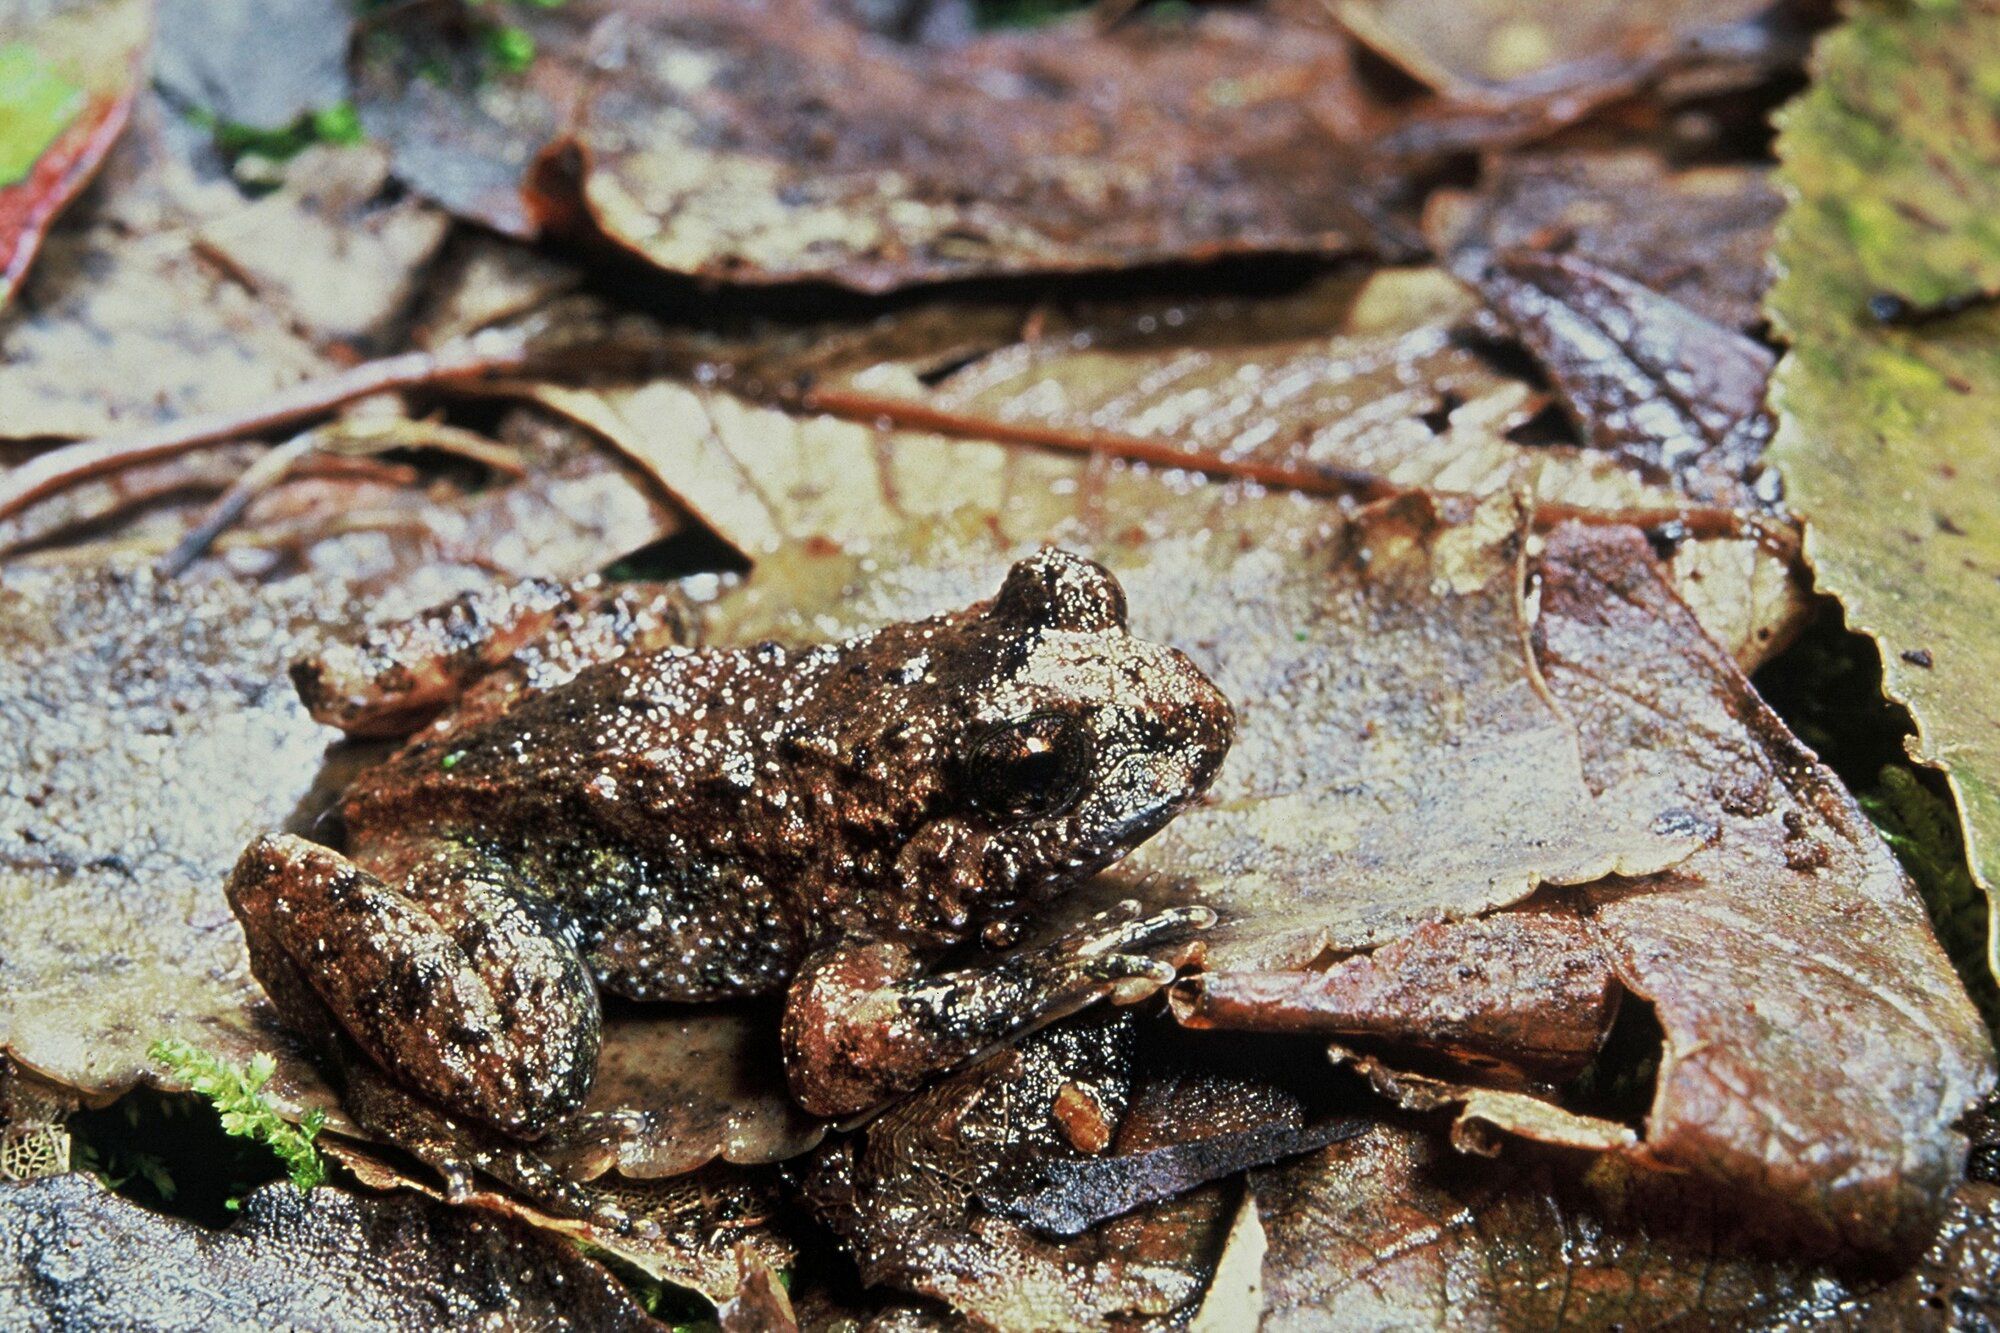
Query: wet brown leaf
1367, 383
1521, 993
699, 1225
1496, 50
1818, 1044
708, 1083
330, 248
125, 323
1645, 379
69, 72
777, 142
72, 1255
147, 737
1698, 236
1395, 1230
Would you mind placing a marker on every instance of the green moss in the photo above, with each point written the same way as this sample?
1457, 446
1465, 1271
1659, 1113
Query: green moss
244, 1110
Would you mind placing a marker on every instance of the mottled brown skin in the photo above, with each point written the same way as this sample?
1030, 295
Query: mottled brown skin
674, 823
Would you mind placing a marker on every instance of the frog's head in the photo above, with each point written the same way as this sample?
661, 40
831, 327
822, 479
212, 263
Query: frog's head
1080, 741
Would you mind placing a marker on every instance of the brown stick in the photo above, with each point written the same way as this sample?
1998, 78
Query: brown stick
50, 472
1696, 520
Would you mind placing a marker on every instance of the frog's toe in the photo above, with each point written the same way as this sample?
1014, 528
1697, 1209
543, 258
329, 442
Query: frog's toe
1127, 967
1166, 927
597, 1129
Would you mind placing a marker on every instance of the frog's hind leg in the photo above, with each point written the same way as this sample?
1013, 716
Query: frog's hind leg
453, 980
481, 649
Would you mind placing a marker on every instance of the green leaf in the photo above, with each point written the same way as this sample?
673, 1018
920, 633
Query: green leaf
36, 104
1886, 439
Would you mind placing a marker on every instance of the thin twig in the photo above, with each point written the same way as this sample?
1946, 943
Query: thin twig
72, 463
259, 477
1314, 479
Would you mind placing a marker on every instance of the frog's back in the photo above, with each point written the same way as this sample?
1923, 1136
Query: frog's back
632, 741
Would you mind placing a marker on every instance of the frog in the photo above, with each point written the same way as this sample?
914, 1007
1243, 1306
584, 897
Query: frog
589, 800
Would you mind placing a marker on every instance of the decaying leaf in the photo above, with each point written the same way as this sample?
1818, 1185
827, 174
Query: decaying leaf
329, 248
258, 64
1517, 993
1885, 433
1645, 379
706, 1084
68, 73
1395, 1230
1818, 1045
1500, 49
1697, 235
148, 736
124, 323
73, 1254
779, 141
1360, 380
693, 1230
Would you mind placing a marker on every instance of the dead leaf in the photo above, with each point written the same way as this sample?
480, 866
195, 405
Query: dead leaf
707, 1083
1698, 235
330, 248
147, 738
1513, 994
261, 64
1818, 1045
1497, 50
125, 323
698, 1226
1645, 379
762, 144
1885, 433
1395, 1230
68, 73
73, 1254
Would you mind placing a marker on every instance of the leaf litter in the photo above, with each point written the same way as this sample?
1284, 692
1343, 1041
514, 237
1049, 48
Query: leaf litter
1539, 803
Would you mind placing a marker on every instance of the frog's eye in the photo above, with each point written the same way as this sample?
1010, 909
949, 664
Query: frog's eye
1032, 766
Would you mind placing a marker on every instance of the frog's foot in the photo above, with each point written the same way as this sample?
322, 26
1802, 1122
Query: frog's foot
864, 1023
461, 1150
592, 1143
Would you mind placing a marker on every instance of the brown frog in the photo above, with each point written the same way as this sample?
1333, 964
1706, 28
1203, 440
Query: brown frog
602, 808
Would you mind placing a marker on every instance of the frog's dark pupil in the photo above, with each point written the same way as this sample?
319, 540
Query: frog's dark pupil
1030, 767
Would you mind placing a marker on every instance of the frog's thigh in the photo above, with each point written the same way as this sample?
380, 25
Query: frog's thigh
452, 982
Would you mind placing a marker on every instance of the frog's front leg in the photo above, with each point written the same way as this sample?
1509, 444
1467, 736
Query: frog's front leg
451, 979
864, 1023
